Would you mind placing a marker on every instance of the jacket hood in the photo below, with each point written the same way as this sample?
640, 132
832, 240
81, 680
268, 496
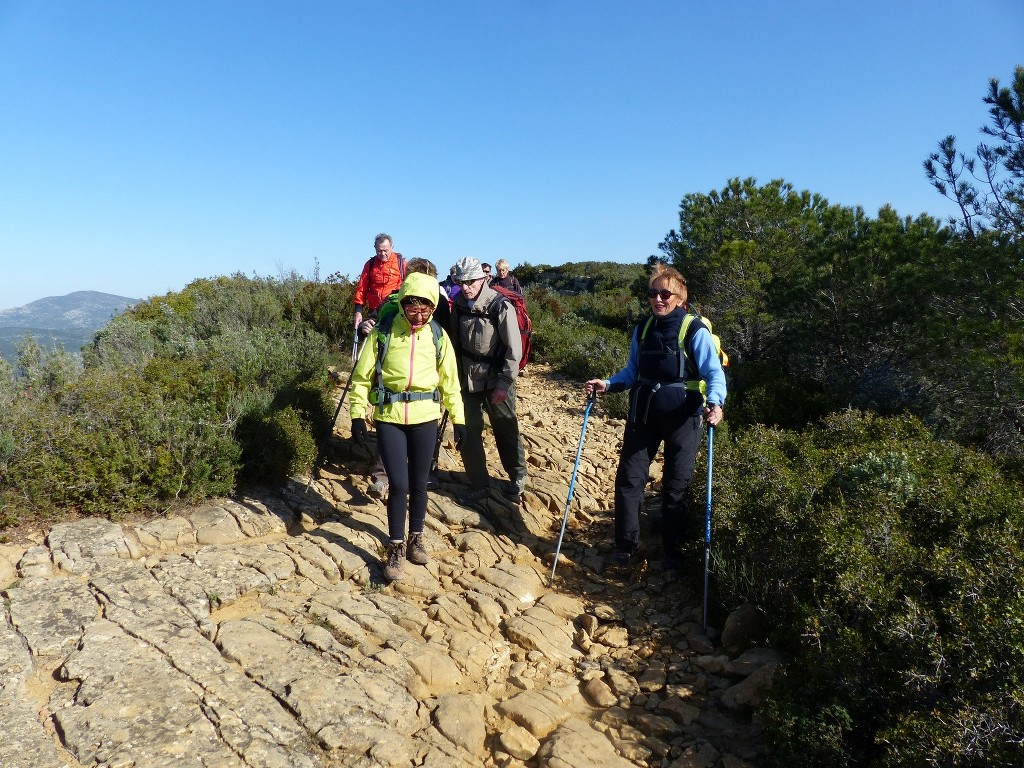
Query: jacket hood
420, 285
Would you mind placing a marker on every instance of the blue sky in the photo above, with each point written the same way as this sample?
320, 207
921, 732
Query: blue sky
144, 144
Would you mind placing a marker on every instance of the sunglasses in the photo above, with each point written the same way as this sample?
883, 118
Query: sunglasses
662, 294
468, 282
417, 302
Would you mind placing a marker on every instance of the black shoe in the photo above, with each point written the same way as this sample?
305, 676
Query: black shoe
472, 497
511, 492
621, 558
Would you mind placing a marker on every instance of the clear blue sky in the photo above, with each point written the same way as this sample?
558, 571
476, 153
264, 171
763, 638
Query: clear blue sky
147, 143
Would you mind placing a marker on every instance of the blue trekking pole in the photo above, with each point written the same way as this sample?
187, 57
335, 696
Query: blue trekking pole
707, 522
572, 482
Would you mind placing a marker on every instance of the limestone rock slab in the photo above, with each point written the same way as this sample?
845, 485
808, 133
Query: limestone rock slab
460, 717
540, 712
576, 745
25, 743
539, 629
50, 613
80, 546
137, 710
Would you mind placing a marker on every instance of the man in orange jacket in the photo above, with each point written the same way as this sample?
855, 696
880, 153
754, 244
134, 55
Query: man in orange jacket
381, 275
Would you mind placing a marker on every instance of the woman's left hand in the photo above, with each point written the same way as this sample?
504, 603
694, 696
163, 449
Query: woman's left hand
713, 414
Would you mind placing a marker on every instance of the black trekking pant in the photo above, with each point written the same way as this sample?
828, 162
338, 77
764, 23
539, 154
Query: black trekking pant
681, 436
406, 450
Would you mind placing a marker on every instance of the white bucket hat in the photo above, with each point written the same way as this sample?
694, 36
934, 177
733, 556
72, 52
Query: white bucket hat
467, 269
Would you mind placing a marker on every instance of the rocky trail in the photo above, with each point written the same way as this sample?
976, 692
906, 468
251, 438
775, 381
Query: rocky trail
258, 632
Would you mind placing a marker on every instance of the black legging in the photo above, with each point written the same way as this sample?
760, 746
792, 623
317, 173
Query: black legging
407, 451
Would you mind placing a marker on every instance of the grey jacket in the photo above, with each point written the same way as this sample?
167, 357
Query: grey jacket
486, 336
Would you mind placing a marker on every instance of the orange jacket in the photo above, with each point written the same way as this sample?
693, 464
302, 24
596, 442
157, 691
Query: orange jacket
377, 280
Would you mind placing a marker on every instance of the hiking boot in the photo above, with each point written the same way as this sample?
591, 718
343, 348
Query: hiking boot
395, 555
621, 558
415, 551
378, 490
513, 490
473, 496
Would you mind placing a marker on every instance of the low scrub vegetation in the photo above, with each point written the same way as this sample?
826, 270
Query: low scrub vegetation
180, 398
892, 567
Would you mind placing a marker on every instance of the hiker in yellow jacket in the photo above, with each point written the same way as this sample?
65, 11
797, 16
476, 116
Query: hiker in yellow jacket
405, 374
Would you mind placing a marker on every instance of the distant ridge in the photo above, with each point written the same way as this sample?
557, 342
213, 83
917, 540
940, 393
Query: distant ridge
69, 321
81, 309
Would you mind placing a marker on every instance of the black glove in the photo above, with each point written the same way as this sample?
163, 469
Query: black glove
460, 435
358, 429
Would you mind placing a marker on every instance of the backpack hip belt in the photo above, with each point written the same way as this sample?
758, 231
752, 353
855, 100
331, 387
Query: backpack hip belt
384, 396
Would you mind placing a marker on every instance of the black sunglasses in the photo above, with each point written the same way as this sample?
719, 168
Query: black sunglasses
416, 301
665, 295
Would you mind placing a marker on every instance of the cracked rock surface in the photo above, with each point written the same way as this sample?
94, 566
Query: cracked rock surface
257, 631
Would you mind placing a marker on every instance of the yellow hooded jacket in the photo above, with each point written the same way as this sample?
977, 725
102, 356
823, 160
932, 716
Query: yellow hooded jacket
410, 365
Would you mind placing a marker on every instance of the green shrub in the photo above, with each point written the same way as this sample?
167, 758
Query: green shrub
275, 445
580, 349
893, 566
176, 396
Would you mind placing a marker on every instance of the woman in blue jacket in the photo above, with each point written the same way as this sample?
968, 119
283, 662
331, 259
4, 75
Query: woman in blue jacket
672, 362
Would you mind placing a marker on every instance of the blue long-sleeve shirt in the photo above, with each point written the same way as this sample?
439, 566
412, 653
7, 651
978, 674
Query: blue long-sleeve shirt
704, 355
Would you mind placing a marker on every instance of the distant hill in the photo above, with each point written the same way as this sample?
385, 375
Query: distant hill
69, 320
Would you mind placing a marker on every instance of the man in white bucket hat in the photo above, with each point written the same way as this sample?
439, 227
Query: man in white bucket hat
486, 335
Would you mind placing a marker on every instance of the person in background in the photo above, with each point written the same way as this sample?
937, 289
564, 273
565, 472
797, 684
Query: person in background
666, 405
405, 392
381, 275
450, 286
442, 312
487, 271
485, 332
505, 278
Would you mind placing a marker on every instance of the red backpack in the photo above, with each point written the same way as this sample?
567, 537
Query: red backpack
525, 324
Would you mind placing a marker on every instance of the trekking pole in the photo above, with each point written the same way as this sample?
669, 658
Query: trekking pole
707, 522
355, 345
572, 482
437, 443
322, 452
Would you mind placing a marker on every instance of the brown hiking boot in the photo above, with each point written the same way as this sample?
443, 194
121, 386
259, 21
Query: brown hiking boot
395, 555
415, 550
